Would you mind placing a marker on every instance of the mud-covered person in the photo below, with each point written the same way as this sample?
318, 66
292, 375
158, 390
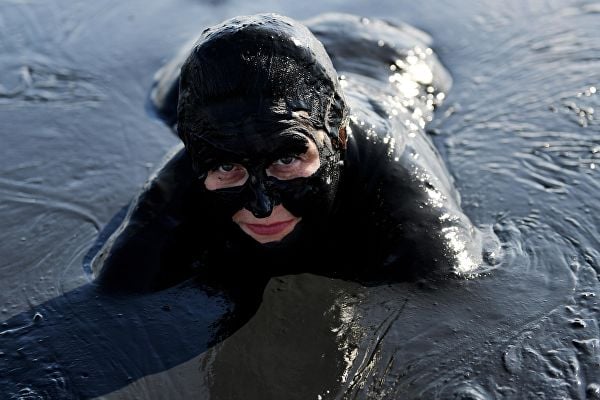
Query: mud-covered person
275, 178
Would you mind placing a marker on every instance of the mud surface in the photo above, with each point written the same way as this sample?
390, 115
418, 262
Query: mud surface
518, 131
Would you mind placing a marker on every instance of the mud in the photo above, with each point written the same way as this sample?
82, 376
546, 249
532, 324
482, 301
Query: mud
518, 131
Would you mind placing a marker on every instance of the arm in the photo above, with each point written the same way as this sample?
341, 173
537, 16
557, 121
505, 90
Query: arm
412, 224
411, 212
132, 259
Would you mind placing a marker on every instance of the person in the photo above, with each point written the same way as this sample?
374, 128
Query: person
287, 166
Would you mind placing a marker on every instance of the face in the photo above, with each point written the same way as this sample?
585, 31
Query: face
261, 113
291, 161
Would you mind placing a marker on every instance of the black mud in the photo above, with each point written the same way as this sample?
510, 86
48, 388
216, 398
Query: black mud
518, 132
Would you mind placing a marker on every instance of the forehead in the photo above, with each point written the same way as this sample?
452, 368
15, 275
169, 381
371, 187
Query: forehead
255, 146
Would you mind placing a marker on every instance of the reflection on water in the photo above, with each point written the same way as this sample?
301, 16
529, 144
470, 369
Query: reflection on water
518, 130
439, 341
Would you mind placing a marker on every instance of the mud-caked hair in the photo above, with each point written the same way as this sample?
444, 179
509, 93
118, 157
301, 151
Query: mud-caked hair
265, 68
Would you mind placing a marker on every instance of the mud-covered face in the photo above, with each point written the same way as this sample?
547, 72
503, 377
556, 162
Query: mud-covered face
267, 183
262, 114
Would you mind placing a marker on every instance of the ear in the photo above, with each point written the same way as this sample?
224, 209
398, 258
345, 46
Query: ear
342, 138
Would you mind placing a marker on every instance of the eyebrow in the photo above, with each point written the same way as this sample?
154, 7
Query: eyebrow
287, 143
291, 143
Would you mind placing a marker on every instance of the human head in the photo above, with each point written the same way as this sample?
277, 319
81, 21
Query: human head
255, 89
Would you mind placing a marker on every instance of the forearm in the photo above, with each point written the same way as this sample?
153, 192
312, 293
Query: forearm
131, 258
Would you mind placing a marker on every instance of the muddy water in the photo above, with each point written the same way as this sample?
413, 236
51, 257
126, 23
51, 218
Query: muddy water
518, 131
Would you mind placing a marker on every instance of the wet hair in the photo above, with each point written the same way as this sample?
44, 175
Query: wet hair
264, 70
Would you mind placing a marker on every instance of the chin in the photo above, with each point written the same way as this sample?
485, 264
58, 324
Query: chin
268, 240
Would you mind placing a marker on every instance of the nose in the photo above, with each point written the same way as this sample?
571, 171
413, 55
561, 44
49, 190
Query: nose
260, 203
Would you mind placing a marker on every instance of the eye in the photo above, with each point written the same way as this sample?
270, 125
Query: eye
225, 175
300, 159
286, 160
225, 167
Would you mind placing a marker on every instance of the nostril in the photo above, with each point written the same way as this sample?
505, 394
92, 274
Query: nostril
261, 209
261, 206
261, 213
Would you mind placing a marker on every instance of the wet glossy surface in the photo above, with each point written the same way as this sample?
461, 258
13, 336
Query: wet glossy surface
517, 130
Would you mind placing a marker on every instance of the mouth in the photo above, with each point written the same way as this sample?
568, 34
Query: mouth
270, 229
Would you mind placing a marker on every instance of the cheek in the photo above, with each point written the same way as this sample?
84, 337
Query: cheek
223, 205
311, 197
311, 165
225, 179
241, 216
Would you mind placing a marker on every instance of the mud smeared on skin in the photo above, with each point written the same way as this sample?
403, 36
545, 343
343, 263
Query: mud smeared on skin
515, 131
384, 196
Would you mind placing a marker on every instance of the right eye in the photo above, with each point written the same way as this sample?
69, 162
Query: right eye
225, 176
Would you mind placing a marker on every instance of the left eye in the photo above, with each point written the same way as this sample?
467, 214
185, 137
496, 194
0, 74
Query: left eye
226, 167
286, 160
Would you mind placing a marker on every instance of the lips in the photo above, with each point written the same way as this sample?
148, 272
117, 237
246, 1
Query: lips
269, 229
